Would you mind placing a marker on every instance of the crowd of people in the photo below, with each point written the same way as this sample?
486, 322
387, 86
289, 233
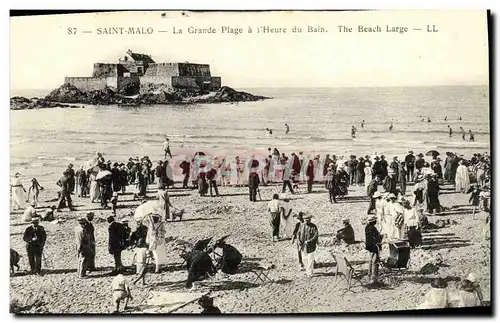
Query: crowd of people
393, 216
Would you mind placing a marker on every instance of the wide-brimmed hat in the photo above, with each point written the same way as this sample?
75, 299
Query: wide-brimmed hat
410, 152
376, 157
90, 214
307, 216
439, 283
472, 277
420, 155
115, 164
35, 219
17, 174
70, 165
345, 220
391, 196
377, 194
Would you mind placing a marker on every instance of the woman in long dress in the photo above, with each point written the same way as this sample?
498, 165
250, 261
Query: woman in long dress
481, 172
462, 181
18, 191
287, 221
155, 239
35, 188
94, 188
164, 202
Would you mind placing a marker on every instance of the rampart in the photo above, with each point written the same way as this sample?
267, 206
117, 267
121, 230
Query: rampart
92, 83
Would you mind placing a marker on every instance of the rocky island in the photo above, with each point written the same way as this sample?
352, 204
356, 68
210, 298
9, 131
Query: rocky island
138, 80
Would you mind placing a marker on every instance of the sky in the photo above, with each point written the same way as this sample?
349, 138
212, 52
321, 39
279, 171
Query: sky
42, 52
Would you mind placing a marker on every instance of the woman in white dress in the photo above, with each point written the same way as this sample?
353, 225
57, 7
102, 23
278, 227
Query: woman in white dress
287, 221
368, 175
462, 181
18, 201
155, 239
94, 188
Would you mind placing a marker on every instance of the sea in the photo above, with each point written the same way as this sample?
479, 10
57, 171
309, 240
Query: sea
44, 141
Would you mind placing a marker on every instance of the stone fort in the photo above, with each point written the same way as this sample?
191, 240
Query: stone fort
135, 71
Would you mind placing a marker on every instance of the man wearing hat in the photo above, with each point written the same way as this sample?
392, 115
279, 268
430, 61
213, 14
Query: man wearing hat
331, 183
117, 233
373, 243
71, 178
378, 168
35, 238
390, 184
83, 247
310, 175
116, 182
307, 237
395, 165
346, 234
253, 181
410, 165
89, 228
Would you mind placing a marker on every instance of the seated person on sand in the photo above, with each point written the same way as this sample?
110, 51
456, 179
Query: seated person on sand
346, 234
49, 214
437, 296
231, 258
30, 212
199, 266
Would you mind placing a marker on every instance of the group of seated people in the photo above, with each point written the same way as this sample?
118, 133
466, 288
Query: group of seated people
200, 265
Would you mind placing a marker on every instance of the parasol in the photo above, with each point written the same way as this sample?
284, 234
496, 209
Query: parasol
89, 165
102, 174
432, 153
145, 209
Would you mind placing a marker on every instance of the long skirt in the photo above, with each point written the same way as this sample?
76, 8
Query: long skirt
95, 191
414, 237
18, 201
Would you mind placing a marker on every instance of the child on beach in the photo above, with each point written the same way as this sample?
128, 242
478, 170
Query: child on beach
141, 256
474, 198
137, 189
35, 188
114, 202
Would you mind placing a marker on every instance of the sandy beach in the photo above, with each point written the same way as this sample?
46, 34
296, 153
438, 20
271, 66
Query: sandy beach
460, 244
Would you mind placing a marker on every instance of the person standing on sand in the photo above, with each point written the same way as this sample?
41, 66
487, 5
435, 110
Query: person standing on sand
253, 181
300, 218
18, 191
89, 228
164, 203
275, 209
116, 235
373, 243
368, 174
390, 182
410, 165
155, 239
360, 171
462, 181
463, 133
35, 238
83, 247
265, 171
71, 178
212, 183
331, 183
35, 188
186, 167
166, 148
307, 237
419, 163
310, 175
391, 127
81, 182
395, 167
353, 132
94, 188
65, 193
372, 189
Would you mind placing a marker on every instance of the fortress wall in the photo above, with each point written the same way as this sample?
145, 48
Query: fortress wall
156, 80
165, 70
91, 83
105, 70
216, 83
186, 82
188, 69
127, 81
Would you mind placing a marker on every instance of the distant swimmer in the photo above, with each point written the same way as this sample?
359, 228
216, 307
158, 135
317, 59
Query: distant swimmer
463, 133
422, 120
287, 129
471, 136
269, 131
353, 132
428, 119
445, 118
460, 118
363, 124
391, 127
451, 131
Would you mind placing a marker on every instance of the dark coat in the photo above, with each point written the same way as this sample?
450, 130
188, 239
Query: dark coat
199, 264
117, 235
231, 259
39, 235
89, 228
346, 234
373, 239
253, 180
378, 169
410, 160
390, 184
211, 174
310, 170
185, 166
64, 183
140, 232
419, 164
372, 188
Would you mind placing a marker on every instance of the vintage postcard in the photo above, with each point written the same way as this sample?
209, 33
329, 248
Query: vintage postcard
275, 162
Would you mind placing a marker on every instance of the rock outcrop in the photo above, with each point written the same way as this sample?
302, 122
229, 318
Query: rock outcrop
150, 94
